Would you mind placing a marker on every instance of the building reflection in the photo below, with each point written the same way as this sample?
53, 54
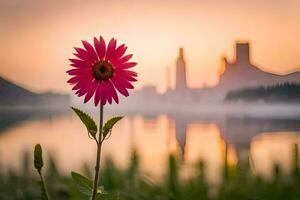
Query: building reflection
204, 143
213, 140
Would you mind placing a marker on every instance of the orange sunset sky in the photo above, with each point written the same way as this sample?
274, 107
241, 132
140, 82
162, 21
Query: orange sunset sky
37, 36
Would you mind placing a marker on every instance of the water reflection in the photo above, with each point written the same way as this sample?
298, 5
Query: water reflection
13, 117
191, 138
274, 149
204, 143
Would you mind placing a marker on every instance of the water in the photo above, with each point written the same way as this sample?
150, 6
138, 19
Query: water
261, 141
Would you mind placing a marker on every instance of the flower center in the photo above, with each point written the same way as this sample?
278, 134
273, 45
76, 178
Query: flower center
103, 70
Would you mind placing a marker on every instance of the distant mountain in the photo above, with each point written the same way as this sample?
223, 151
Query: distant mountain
287, 92
13, 94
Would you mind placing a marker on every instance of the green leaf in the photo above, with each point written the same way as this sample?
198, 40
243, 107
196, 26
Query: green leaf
38, 158
88, 122
85, 185
109, 125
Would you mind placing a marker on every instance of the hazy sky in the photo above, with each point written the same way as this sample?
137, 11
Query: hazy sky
37, 36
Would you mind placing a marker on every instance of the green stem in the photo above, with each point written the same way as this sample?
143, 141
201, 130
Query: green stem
43, 188
99, 146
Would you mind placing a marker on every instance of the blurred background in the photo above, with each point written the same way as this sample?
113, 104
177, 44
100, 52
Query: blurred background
216, 105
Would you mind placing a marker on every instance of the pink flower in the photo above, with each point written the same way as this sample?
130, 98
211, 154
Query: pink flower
101, 71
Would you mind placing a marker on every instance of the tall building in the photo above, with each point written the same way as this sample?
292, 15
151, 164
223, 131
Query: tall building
181, 84
242, 72
242, 55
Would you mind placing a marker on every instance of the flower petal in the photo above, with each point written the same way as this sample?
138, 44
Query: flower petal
113, 92
81, 92
111, 48
79, 63
109, 89
100, 47
131, 73
127, 65
124, 59
90, 92
77, 71
98, 94
125, 83
128, 75
82, 54
119, 52
91, 51
119, 87
81, 84
76, 79
104, 93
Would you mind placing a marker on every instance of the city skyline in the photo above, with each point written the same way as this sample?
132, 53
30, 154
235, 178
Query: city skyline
235, 74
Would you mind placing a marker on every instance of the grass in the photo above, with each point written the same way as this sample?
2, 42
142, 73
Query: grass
238, 183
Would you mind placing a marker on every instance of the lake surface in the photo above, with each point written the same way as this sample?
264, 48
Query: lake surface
261, 141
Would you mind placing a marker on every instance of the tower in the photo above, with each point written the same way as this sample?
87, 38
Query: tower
181, 72
168, 77
242, 53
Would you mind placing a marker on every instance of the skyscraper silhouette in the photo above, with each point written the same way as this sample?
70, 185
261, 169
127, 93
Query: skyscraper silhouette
181, 72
